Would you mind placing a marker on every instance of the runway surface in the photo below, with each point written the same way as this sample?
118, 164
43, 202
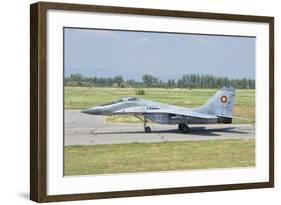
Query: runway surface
83, 129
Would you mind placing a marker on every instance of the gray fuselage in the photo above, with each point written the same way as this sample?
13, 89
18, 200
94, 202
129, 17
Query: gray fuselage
157, 112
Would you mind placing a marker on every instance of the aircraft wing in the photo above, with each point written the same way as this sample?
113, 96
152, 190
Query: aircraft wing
143, 110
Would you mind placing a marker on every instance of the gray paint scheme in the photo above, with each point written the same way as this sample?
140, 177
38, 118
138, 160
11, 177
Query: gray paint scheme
218, 109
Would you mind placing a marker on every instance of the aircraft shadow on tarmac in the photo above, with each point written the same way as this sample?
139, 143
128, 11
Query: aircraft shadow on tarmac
202, 131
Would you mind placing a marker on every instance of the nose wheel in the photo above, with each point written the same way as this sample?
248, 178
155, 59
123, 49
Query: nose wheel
147, 129
184, 128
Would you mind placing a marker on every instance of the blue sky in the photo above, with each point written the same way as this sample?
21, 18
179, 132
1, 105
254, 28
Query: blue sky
168, 56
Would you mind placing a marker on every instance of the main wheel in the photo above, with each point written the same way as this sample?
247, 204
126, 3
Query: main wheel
147, 129
180, 127
185, 129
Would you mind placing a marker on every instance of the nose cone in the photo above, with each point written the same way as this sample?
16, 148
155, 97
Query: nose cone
93, 111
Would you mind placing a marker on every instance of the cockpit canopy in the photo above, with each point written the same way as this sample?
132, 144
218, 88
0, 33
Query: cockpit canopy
124, 99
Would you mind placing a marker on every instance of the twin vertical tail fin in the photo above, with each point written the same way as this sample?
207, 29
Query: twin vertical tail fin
221, 104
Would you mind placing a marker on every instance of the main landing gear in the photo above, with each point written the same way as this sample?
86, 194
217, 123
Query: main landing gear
146, 128
184, 128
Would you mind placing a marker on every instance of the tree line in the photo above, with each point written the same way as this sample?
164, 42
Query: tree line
150, 81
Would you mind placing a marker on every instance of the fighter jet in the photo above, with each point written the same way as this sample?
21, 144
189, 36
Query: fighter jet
218, 109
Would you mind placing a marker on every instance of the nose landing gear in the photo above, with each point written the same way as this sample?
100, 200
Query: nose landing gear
146, 128
184, 128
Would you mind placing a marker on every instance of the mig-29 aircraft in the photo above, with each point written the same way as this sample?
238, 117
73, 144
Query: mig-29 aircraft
218, 109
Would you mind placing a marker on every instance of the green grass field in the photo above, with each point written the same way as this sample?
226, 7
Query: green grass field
85, 97
163, 156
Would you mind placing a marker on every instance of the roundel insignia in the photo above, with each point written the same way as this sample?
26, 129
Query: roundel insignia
223, 99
